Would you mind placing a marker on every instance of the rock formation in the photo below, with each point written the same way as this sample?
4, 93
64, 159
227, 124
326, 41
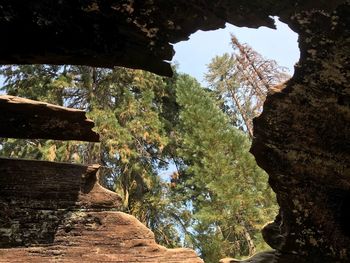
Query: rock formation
131, 33
302, 141
301, 138
31, 119
58, 212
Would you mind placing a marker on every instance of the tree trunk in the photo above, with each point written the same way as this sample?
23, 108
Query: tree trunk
241, 110
250, 243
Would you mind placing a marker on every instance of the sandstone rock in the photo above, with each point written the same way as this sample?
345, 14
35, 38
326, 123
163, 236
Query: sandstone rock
302, 141
56, 212
29, 119
272, 233
100, 236
127, 33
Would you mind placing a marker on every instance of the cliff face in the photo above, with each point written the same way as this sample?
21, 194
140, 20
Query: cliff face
302, 141
301, 138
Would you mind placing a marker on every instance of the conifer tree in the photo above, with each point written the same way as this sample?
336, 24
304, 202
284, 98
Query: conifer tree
127, 107
219, 180
217, 199
242, 80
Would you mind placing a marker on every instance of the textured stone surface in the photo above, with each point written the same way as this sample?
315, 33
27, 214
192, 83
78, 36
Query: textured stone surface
303, 142
103, 236
131, 33
24, 118
36, 195
56, 212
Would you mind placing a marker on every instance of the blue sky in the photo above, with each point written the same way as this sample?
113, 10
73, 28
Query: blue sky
193, 55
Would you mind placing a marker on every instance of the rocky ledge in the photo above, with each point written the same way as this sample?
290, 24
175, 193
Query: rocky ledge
56, 212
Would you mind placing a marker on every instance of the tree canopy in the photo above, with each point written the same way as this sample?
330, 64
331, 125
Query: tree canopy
214, 198
242, 80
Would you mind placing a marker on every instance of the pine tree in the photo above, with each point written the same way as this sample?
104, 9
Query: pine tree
242, 80
217, 199
219, 180
129, 110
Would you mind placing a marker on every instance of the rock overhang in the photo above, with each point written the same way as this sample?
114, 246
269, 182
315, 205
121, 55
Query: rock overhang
301, 139
131, 33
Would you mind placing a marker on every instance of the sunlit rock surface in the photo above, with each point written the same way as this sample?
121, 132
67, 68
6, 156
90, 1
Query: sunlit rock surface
56, 212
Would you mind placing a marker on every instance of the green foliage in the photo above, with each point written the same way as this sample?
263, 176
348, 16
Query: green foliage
127, 107
40, 82
218, 198
227, 192
241, 81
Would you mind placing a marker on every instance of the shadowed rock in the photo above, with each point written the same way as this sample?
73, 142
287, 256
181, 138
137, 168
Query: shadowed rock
129, 33
302, 141
30, 119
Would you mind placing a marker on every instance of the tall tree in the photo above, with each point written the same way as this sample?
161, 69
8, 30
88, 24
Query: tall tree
219, 181
242, 80
128, 107
217, 199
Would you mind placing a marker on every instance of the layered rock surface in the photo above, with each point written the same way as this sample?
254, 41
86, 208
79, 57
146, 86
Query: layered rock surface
30, 119
56, 212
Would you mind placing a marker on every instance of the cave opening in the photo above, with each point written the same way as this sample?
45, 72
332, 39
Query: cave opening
300, 139
193, 57
202, 47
